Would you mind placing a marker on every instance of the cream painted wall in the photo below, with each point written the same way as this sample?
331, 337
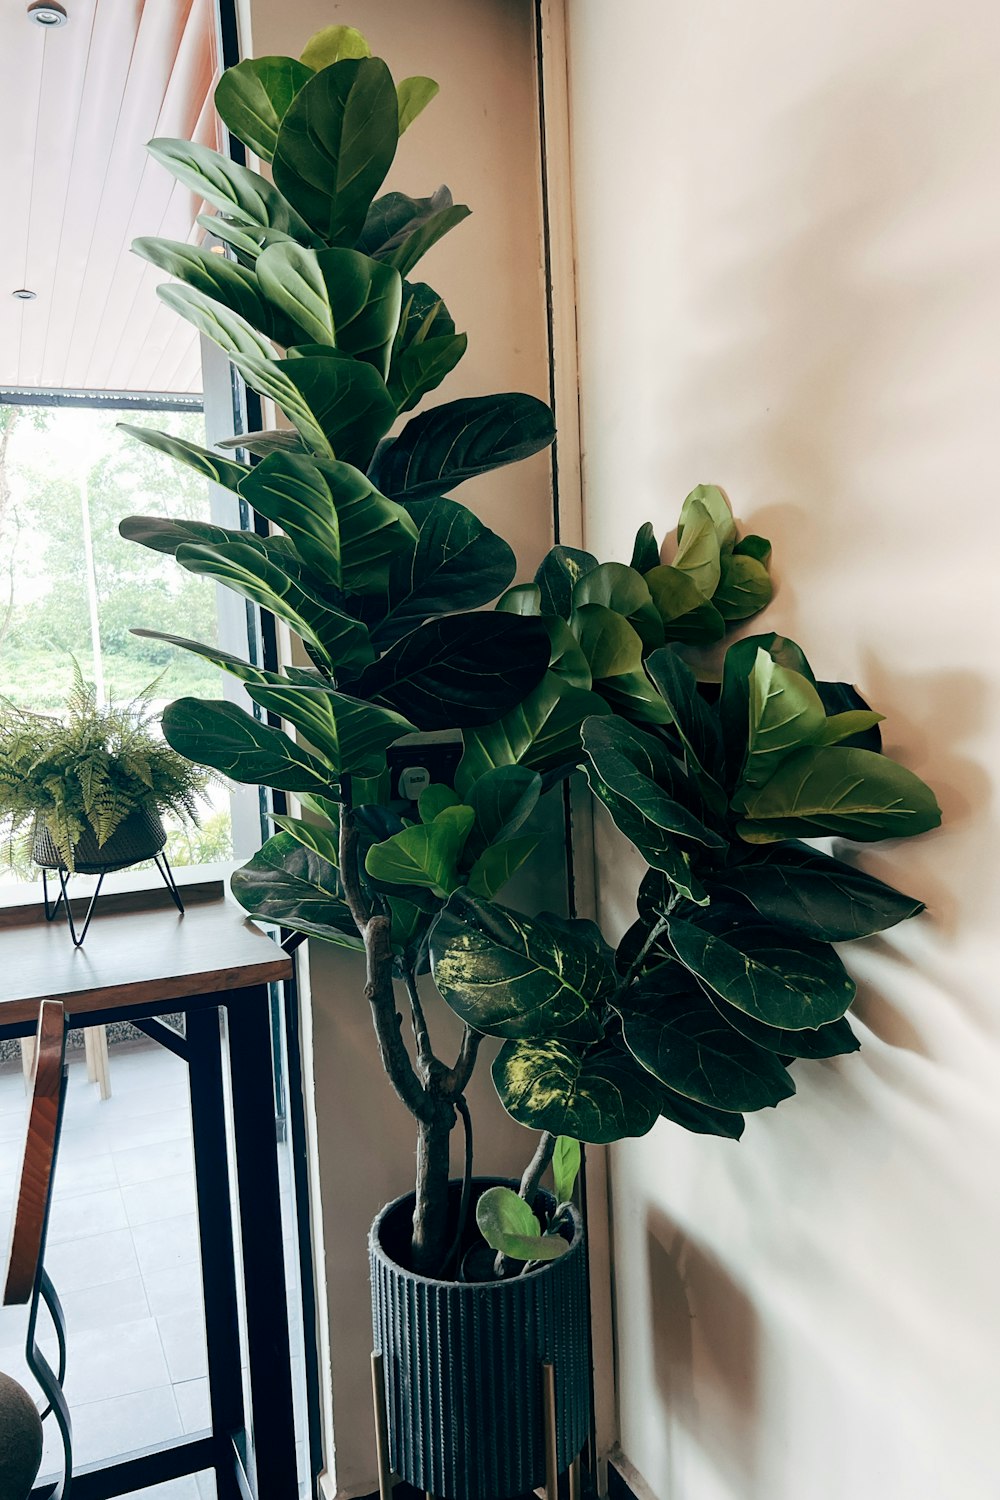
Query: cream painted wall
789, 284
480, 136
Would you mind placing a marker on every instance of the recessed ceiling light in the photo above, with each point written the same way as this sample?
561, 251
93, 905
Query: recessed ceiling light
47, 13
24, 295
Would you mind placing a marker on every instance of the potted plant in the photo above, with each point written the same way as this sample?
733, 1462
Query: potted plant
727, 976
84, 793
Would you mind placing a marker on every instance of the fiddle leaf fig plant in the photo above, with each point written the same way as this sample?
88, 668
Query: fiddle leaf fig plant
386, 580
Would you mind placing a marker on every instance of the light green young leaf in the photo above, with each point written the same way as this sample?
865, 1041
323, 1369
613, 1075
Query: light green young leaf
507, 1224
332, 44
424, 854
698, 552
414, 95
565, 1167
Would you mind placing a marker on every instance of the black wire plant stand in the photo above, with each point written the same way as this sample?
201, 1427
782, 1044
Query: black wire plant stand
141, 836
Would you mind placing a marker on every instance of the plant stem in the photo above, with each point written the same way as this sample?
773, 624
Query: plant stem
430, 1215
537, 1165
658, 927
425, 1052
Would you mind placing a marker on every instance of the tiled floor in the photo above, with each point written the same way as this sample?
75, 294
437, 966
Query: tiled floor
123, 1255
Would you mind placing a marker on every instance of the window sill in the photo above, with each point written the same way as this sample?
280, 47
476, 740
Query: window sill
123, 890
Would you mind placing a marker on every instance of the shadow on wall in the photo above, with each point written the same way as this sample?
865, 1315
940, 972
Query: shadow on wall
699, 1314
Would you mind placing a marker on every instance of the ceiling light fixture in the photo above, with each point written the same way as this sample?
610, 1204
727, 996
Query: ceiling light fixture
24, 295
47, 13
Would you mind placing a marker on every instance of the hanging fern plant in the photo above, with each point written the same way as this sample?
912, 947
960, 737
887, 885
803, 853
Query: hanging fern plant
86, 770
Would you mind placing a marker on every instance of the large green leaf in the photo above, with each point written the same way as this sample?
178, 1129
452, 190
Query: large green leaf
744, 587
253, 96
401, 229
698, 552
503, 799
625, 591
566, 1161
421, 365
443, 447
222, 471
425, 853
335, 145
497, 864
775, 976
339, 405
686, 614
557, 577
646, 549
674, 1031
245, 240
734, 696
244, 670
841, 699
698, 1118
696, 723
240, 565
337, 297
162, 534
597, 1094
832, 1040
458, 563
288, 884
512, 976
635, 770
227, 738
351, 734
812, 893
241, 194
235, 286
340, 524
835, 790
458, 670
707, 500
230, 330
542, 732
785, 713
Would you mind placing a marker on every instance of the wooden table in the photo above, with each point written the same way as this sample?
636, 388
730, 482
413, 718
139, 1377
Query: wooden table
214, 967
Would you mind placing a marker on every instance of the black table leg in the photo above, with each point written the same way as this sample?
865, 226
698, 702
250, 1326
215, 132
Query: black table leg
268, 1352
216, 1225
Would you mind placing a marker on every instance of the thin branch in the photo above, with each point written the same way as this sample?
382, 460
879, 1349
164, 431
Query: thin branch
454, 1081
537, 1165
658, 927
425, 1052
350, 878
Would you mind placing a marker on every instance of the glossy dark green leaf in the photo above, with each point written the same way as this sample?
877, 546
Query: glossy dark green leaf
686, 614
855, 794
775, 976
673, 1030
503, 799
227, 738
542, 731
253, 95
337, 297
698, 1118
244, 670
459, 670
757, 547
317, 503
351, 734
646, 551
340, 406
336, 144
623, 590
225, 281
812, 893
497, 864
396, 219
443, 447
245, 240
510, 976
597, 1094
832, 1040
696, 722
638, 771
233, 333
163, 534
263, 444
241, 194
292, 886
222, 471
421, 367
240, 565
458, 563
558, 574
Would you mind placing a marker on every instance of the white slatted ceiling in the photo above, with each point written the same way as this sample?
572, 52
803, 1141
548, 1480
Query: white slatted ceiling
77, 106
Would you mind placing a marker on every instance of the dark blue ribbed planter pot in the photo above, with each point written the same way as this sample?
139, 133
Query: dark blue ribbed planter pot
463, 1364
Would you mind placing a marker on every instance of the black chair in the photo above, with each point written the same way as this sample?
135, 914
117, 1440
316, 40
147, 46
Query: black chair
26, 1282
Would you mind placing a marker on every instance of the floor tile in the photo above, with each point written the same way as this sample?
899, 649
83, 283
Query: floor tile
89, 1214
91, 1173
149, 1163
105, 1306
103, 1367
92, 1261
169, 1242
193, 1404
175, 1290
166, 1198
113, 1428
183, 1341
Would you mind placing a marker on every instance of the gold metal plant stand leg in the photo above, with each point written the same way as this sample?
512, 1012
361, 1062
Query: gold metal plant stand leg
551, 1449
381, 1429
